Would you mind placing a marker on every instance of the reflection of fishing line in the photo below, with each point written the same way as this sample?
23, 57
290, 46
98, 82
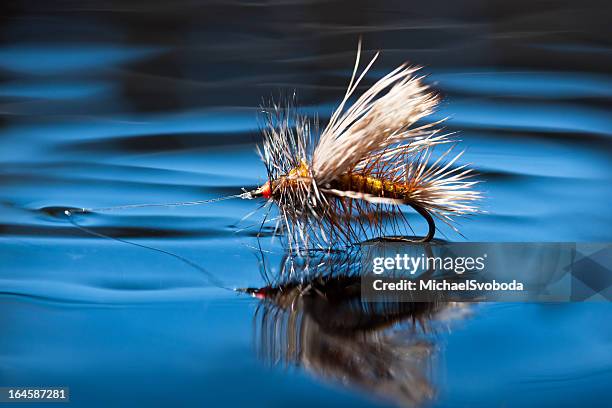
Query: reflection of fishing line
211, 278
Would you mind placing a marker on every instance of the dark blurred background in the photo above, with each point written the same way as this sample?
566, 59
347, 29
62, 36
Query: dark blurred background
217, 53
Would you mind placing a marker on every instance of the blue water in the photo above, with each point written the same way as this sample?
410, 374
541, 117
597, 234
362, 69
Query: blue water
98, 111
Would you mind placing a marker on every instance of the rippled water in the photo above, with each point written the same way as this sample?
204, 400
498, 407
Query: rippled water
115, 103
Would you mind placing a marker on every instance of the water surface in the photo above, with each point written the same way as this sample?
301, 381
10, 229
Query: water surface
115, 103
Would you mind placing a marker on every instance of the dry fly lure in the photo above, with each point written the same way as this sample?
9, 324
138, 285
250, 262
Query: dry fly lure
348, 182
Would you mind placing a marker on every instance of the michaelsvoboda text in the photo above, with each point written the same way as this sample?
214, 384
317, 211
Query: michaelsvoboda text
444, 285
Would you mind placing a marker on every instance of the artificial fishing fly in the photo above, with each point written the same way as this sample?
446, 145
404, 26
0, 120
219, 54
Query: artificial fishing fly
348, 182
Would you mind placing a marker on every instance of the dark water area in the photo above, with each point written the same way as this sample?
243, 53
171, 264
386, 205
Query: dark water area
107, 103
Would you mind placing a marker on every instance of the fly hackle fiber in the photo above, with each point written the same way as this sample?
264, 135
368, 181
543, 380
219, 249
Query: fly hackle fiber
375, 156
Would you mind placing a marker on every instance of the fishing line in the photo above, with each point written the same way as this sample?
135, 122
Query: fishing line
245, 195
211, 278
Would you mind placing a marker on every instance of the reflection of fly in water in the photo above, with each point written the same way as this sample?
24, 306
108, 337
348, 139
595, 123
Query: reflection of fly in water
316, 320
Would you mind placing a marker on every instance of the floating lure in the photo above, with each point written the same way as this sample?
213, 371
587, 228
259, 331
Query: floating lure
348, 182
